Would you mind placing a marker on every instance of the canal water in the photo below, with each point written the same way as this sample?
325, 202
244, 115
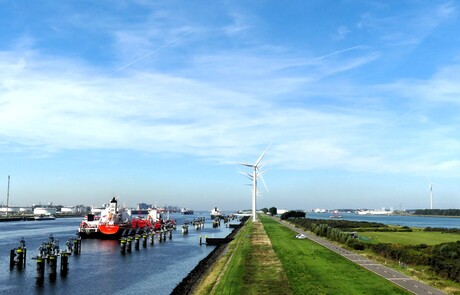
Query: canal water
101, 268
402, 220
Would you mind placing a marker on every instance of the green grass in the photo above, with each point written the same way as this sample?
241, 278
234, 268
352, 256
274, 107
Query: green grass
232, 280
410, 238
313, 269
254, 267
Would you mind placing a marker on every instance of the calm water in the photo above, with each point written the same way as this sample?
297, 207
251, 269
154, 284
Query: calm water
412, 221
101, 268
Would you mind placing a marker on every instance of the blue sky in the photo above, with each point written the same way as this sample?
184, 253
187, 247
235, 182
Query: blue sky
157, 101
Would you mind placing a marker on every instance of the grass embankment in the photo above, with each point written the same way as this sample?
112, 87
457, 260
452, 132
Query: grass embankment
313, 269
250, 266
416, 237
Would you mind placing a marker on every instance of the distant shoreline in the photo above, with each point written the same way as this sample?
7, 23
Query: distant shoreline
30, 217
421, 215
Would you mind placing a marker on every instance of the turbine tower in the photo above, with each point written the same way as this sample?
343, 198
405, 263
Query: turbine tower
253, 177
431, 195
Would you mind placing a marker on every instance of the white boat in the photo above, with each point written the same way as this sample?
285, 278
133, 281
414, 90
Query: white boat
215, 213
44, 213
186, 211
44, 217
374, 212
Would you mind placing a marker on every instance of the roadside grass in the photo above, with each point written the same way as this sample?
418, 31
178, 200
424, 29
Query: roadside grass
416, 237
421, 273
313, 269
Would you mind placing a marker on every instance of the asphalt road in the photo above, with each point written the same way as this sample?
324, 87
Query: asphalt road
393, 276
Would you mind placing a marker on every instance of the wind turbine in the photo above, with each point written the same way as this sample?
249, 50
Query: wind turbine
253, 177
431, 195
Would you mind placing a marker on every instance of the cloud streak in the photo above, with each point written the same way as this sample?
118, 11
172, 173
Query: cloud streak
224, 105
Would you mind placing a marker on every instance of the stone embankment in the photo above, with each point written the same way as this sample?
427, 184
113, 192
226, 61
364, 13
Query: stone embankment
188, 284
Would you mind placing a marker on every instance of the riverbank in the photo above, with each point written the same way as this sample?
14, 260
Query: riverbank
193, 279
30, 216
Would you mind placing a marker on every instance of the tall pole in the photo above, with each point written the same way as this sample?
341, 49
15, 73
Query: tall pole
8, 196
254, 194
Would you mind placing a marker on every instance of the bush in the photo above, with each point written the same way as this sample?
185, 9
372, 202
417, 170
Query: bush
293, 214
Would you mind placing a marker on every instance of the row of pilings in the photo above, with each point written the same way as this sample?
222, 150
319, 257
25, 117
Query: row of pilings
146, 237
47, 258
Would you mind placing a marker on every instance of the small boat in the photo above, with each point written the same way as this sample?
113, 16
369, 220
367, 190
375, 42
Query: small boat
186, 211
336, 215
216, 213
44, 217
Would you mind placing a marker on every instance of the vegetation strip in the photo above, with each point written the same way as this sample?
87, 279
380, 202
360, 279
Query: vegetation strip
436, 261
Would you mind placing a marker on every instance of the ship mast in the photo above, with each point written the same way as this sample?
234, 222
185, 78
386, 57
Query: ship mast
8, 196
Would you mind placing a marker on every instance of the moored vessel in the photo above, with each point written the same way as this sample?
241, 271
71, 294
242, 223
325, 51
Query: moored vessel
216, 213
44, 217
115, 222
44, 213
186, 211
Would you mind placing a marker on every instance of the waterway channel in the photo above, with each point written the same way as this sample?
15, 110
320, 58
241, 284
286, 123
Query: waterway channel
101, 268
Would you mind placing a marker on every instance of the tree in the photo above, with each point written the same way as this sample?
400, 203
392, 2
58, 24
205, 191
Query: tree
265, 210
273, 211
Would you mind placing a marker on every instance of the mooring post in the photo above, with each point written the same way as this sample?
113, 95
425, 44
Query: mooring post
52, 267
123, 245
144, 240
160, 235
129, 243
23, 256
75, 246
40, 274
20, 261
64, 263
200, 240
136, 242
12, 258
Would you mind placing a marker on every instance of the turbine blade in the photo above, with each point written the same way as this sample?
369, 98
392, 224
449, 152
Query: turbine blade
247, 175
261, 173
263, 181
263, 154
246, 164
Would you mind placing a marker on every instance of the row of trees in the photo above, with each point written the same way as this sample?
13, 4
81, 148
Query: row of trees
441, 212
273, 211
292, 214
443, 259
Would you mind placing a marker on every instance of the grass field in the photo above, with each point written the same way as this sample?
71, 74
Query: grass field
312, 269
410, 238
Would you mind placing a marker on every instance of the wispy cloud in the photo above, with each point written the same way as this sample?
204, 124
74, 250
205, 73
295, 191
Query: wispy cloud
218, 100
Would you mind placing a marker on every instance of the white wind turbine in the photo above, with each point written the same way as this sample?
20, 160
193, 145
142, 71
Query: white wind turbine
253, 177
431, 195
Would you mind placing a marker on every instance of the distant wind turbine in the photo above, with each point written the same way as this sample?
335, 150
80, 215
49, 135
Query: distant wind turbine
431, 195
253, 177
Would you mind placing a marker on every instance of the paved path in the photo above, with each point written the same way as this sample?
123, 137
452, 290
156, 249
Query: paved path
397, 278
